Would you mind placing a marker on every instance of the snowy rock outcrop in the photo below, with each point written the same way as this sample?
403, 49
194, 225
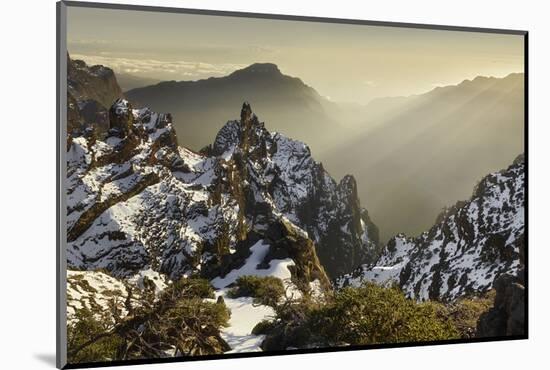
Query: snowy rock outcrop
97, 291
137, 201
471, 244
282, 175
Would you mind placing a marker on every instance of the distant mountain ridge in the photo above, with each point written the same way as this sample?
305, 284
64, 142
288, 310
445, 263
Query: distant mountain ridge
128, 81
198, 107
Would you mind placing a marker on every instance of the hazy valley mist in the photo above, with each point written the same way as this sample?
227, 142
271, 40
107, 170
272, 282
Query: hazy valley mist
412, 156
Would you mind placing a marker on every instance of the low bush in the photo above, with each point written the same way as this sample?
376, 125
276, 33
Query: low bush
267, 290
263, 327
85, 326
369, 314
179, 322
190, 288
373, 314
465, 312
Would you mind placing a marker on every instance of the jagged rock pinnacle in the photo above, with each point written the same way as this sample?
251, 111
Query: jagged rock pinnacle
246, 112
349, 184
251, 141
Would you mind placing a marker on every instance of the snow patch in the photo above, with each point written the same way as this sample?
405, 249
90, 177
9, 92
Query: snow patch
277, 267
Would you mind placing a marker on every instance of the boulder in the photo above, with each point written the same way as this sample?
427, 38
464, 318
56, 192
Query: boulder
507, 317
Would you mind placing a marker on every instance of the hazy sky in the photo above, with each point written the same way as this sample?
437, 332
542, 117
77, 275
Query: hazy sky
343, 62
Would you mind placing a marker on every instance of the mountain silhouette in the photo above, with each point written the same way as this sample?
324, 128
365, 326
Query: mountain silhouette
201, 107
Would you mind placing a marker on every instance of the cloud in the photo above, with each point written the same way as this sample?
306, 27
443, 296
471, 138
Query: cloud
85, 42
370, 83
179, 69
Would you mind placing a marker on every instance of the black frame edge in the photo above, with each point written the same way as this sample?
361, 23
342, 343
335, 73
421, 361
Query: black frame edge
291, 352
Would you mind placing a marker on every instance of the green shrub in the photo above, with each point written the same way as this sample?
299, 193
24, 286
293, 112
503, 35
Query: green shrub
465, 312
293, 326
266, 290
84, 328
369, 314
373, 314
263, 327
181, 322
190, 288
178, 322
190, 327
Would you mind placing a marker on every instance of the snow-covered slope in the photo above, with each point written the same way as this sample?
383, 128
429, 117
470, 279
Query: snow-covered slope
471, 244
97, 292
108, 297
245, 315
136, 201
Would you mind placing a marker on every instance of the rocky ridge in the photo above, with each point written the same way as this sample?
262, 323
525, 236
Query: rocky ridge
471, 244
300, 189
138, 201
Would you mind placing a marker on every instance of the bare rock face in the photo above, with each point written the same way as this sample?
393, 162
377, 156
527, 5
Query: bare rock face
92, 82
74, 120
94, 115
290, 242
507, 317
91, 91
121, 118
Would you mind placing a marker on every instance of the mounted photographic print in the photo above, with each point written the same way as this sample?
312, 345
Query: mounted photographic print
236, 184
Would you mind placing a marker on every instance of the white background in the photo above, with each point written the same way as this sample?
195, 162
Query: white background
27, 208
